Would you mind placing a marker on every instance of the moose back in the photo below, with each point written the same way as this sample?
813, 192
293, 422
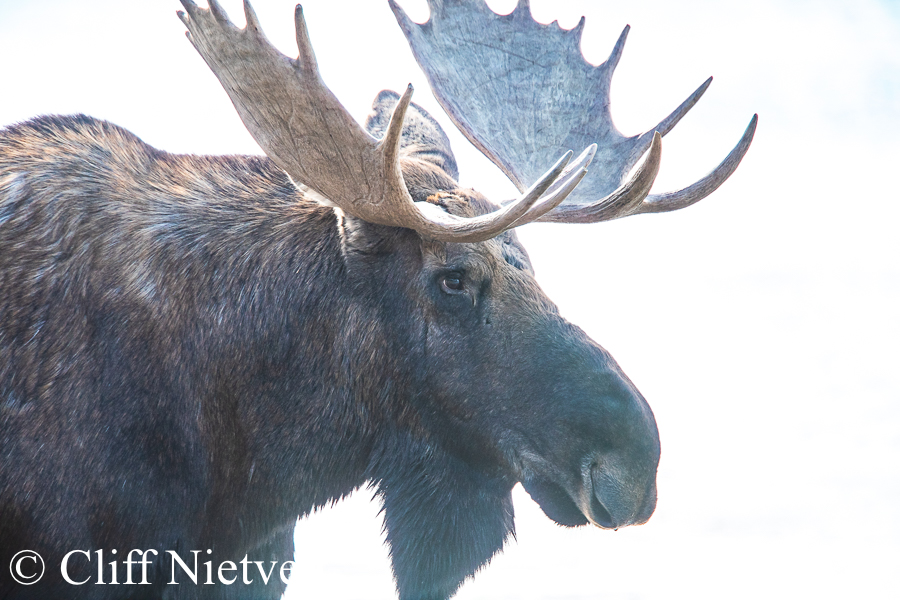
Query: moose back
195, 350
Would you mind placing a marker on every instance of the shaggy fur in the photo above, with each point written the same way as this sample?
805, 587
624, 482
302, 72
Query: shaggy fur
193, 352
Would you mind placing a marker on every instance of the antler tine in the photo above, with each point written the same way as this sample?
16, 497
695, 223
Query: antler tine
626, 200
613, 61
306, 131
578, 30
582, 162
667, 124
390, 143
306, 58
251, 18
575, 170
639, 144
704, 187
476, 229
218, 12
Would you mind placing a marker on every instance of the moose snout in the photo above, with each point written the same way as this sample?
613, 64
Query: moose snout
615, 496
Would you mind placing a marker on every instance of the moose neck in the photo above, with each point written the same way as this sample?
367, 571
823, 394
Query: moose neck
287, 357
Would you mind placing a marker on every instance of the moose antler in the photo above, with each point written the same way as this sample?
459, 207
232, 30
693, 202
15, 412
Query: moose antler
306, 131
520, 91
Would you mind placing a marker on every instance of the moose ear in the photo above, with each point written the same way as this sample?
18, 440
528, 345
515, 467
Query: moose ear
422, 136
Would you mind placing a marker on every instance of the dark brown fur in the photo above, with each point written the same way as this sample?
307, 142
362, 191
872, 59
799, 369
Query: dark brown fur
193, 352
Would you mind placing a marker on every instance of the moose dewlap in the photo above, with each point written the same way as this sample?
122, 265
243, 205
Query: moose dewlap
196, 350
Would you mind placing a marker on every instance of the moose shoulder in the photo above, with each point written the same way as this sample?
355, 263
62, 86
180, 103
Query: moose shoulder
195, 350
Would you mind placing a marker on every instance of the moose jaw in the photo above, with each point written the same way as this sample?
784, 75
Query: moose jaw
199, 341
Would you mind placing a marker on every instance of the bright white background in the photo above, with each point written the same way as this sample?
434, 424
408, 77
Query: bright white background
762, 324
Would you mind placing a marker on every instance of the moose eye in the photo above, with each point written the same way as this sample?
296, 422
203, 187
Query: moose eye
452, 283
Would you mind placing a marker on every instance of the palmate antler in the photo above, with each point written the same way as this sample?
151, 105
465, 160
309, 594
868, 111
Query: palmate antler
521, 91
304, 129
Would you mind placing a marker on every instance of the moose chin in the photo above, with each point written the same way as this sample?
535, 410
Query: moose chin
195, 350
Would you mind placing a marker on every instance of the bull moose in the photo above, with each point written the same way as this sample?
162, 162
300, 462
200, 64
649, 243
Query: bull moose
195, 350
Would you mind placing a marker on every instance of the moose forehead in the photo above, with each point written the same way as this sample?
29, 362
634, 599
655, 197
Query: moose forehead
479, 259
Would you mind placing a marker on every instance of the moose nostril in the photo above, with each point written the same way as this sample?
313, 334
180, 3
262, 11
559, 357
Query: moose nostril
600, 515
